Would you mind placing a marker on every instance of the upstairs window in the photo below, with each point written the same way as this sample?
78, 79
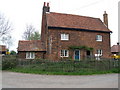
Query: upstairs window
64, 53
64, 36
30, 55
99, 38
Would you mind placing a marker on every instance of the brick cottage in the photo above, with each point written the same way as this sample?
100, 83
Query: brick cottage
68, 36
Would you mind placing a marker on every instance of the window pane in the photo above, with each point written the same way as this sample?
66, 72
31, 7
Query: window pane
64, 36
65, 53
62, 52
31, 54
27, 55
99, 51
98, 38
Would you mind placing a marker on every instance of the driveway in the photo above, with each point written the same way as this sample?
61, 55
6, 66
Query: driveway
20, 80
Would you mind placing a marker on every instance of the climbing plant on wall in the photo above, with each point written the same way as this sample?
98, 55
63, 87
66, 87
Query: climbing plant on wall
81, 47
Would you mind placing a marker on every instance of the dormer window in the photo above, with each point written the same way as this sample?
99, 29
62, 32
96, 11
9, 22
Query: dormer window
99, 38
64, 36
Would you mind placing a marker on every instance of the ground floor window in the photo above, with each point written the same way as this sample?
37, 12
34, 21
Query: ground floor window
30, 55
88, 53
99, 52
64, 53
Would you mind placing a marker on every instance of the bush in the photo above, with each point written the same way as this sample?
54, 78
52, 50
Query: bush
8, 62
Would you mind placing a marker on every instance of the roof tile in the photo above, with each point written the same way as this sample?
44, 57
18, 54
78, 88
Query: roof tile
115, 48
30, 45
75, 21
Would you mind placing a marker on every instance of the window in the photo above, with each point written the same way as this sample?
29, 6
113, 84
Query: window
99, 38
99, 52
64, 36
64, 53
30, 55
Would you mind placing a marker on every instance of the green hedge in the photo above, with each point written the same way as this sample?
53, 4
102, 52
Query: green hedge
9, 62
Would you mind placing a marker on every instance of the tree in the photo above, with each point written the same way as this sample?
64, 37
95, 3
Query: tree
28, 32
5, 26
12, 52
35, 36
5, 29
31, 33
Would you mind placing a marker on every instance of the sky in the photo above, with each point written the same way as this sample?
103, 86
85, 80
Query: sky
25, 12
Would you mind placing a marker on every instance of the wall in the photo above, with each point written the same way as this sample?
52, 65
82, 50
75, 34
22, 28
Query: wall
76, 38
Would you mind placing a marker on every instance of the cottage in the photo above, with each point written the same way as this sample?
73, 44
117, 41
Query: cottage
30, 49
68, 36
115, 49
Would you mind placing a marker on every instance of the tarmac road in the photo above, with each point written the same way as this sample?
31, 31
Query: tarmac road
20, 80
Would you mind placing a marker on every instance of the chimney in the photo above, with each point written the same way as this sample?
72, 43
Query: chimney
105, 18
46, 8
44, 30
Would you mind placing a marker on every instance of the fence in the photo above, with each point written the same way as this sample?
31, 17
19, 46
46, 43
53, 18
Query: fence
9, 62
69, 65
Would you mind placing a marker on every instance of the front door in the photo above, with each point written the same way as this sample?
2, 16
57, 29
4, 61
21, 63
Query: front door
77, 54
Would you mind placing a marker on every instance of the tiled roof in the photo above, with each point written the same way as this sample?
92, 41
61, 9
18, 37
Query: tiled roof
115, 48
30, 45
75, 21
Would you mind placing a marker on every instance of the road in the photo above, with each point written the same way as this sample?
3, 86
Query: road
20, 80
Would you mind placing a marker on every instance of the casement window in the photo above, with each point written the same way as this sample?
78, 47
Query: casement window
64, 36
99, 38
30, 55
99, 52
64, 53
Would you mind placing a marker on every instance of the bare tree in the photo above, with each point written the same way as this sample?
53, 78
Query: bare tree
5, 26
28, 32
5, 29
31, 33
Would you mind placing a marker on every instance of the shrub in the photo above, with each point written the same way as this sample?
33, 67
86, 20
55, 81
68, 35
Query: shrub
8, 62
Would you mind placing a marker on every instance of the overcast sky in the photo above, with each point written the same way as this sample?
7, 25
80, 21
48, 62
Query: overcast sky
22, 12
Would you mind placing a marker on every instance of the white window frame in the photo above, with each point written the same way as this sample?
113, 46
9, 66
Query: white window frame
99, 52
64, 36
30, 55
64, 53
99, 38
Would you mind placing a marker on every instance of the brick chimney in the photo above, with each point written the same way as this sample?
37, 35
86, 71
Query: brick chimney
46, 7
105, 18
44, 30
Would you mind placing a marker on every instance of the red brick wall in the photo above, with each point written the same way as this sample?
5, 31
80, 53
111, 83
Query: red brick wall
77, 38
22, 55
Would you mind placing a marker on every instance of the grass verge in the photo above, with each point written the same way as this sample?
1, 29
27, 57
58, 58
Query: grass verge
46, 72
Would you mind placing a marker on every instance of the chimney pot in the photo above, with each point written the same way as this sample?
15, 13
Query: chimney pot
44, 3
105, 12
47, 4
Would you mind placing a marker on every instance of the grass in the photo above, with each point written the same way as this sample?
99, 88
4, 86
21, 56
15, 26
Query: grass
82, 71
